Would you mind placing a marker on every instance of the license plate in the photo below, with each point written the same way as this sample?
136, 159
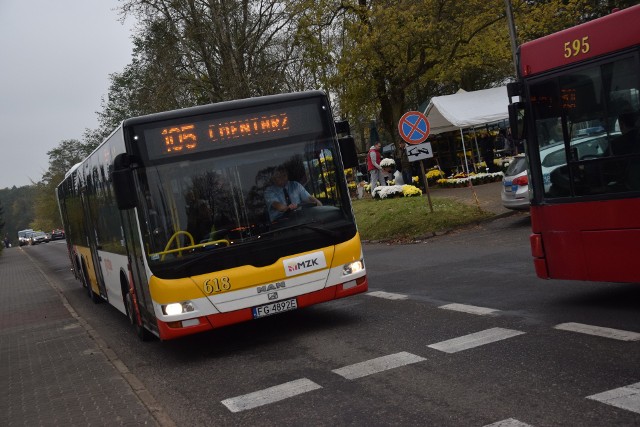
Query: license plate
508, 186
275, 308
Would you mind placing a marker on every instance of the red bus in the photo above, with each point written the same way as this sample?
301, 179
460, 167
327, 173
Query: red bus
579, 109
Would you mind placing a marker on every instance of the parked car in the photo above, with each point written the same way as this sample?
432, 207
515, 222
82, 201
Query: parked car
554, 156
57, 234
23, 236
38, 237
515, 185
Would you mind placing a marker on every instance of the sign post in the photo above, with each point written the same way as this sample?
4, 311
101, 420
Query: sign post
414, 129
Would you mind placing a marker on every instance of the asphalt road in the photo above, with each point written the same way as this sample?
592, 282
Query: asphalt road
455, 331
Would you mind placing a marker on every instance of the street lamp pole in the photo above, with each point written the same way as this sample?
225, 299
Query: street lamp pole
512, 34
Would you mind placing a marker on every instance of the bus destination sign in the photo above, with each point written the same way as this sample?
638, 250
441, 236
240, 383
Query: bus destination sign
185, 137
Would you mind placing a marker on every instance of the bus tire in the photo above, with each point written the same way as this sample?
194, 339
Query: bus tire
85, 282
141, 331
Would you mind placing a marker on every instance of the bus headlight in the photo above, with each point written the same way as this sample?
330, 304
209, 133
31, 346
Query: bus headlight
178, 308
352, 267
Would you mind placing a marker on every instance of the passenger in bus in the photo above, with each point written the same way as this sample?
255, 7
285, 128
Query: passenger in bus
283, 196
625, 172
628, 142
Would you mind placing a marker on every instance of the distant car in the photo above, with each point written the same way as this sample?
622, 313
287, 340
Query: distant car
57, 234
23, 236
515, 185
38, 237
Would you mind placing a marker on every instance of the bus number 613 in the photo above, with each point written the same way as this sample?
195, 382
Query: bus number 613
217, 285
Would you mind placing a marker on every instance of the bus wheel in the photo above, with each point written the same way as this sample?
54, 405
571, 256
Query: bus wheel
93, 296
85, 282
142, 333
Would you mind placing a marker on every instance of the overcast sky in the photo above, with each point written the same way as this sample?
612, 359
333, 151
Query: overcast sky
55, 61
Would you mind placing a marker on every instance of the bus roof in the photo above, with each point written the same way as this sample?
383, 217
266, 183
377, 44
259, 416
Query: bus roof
221, 106
616, 31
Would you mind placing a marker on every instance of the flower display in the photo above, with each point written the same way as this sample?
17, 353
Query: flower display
435, 173
411, 191
388, 191
388, 163
462, 180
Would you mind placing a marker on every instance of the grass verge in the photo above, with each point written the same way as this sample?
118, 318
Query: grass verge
406, 218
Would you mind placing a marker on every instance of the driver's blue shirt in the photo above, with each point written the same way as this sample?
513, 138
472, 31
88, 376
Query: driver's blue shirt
274, 193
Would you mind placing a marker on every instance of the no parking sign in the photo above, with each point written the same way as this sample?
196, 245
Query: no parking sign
414, 127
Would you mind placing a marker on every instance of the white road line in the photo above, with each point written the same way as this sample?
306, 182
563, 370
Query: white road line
387, 295
509, 422
379, 364
615, 334
270, 395
471, 309
627, 397
475, 340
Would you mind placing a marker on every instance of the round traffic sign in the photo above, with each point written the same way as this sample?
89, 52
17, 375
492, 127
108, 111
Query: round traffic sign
414, 127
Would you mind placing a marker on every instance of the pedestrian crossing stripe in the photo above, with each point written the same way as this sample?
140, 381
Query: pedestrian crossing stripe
270, 395
379, 364
627, 397
475, 340
387, 295
616, 334
471, 309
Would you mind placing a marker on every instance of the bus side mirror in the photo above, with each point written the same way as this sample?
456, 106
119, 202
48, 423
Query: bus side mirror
342, 127
123, 185
516, 120
348, 152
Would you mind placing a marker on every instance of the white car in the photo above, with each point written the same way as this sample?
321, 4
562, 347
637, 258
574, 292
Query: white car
38, 237
515, 185
553, 156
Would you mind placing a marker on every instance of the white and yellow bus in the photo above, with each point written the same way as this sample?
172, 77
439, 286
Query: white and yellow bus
168, 221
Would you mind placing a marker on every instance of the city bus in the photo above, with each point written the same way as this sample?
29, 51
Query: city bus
577, 103
168, 219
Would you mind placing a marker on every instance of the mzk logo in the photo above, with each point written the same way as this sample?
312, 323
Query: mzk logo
305, 263
271, 287
302, 265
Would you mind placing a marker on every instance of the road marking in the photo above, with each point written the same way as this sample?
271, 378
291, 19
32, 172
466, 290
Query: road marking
387, 295
270, 395
475, 340
615, 334
627, 397
509, 422
471, 309
379, 364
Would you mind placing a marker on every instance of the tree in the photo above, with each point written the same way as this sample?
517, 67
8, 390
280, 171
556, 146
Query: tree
1, 226
396, 55
191, 52
61, 160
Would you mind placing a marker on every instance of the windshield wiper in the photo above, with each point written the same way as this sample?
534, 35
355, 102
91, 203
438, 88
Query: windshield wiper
307, 225
257, 237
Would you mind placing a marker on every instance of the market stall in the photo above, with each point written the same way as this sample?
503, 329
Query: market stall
464, 110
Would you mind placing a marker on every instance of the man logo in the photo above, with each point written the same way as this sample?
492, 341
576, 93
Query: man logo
271, 287
272, 296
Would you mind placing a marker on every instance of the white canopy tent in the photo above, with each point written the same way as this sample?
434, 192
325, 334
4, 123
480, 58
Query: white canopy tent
467, 110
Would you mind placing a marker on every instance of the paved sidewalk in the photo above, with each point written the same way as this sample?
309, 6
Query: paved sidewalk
488, 196
53, 369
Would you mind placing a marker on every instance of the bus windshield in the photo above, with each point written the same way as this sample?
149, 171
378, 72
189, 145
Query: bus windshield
198, 215
578, 116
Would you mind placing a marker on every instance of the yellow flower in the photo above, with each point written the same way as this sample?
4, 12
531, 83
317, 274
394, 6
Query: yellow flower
410, 191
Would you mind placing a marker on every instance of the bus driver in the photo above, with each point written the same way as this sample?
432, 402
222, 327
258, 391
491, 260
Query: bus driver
284, 195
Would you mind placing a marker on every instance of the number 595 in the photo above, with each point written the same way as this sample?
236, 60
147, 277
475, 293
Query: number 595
575, 47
